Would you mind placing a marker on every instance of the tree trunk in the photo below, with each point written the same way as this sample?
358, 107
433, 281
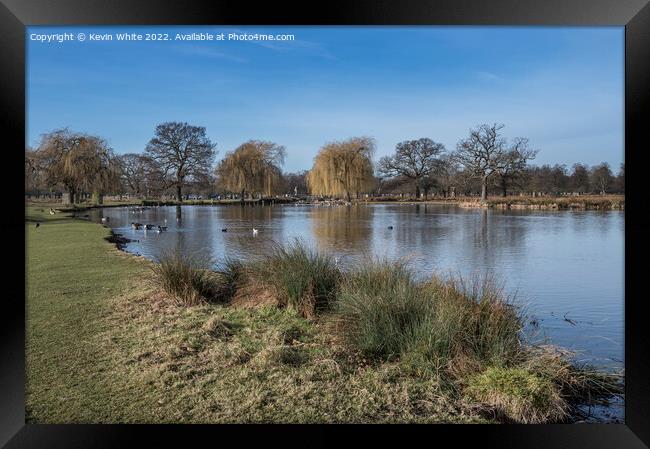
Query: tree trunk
504, 187
65, 198
241, 199
179, 194
348, 196
68, 197
417, 190
484, 189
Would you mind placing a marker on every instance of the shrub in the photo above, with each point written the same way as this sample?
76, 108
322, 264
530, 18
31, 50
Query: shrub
186, 277
518, 395
301, 278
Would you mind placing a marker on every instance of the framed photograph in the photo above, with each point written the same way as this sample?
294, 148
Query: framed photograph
391, 213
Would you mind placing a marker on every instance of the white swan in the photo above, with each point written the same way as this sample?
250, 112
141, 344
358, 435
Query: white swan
254, 231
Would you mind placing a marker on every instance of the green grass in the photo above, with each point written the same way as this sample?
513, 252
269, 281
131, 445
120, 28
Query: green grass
518, 395
72, 272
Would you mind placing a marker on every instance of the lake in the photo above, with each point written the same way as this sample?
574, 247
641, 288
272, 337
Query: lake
565, 267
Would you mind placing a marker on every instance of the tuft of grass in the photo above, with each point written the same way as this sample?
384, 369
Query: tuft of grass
186, 277
473, 323
382, 308
579, 384
301, 277
518, 395
442, 327
232, 275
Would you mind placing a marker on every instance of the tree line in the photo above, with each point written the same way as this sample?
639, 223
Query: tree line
179, 160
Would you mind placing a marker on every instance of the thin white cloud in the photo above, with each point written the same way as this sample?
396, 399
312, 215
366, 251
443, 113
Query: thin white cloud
488, 76
207, 52
310, 47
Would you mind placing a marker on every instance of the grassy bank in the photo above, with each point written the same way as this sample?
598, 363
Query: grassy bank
582, 202
287, 338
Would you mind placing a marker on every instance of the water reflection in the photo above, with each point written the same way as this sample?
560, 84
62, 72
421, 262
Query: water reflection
347, 229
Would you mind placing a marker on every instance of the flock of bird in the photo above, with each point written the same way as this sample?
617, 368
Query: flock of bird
148, 227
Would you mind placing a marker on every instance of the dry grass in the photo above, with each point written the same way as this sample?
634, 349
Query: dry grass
581, 202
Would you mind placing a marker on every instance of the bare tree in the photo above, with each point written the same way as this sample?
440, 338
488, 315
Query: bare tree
416, 160
514, 163
620, 179
134, 168
33, 173
602, 178
447, 175
579, 179
183, 153
343, 168
485, 153
295, 183
253, 167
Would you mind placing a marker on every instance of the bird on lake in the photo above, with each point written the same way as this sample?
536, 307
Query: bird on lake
136, 226
161, 229
106, 219
37, 224
224, 230
254, 231
52, 211
148, 227
390, 227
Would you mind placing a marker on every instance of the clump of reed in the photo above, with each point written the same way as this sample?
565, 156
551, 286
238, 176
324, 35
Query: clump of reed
186, 277
440, 326
232, 274
301, 277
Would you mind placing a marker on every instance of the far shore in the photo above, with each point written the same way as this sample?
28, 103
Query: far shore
568, 202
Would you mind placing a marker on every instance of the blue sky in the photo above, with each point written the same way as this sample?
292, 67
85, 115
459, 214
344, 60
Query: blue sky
560, 87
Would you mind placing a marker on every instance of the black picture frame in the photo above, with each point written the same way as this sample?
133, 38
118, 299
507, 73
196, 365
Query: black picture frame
634, 15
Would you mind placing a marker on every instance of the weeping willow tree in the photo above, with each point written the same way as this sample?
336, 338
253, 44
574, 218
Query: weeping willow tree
253, 167
77, 162
343, 168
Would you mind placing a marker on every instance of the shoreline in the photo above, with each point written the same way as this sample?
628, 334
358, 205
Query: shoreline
570, 203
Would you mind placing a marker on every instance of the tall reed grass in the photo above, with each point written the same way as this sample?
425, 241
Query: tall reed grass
301, 277
186, 277
437, 325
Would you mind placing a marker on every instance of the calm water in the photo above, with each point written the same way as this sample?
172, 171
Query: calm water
558, 263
